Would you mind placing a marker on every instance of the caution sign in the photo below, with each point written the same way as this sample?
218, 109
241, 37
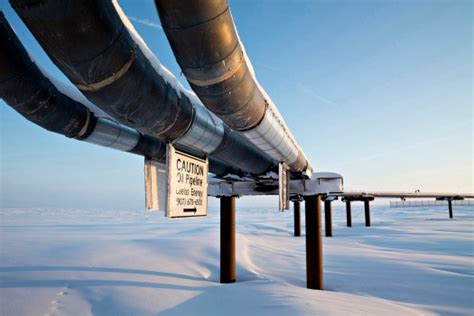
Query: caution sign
187, 184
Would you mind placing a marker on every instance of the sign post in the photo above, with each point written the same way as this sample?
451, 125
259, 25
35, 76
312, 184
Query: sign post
187, 184
155, 185
283, 187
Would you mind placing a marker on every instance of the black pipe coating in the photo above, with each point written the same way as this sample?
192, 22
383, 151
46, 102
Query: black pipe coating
24, 87
89, 43
28, 91
205, 43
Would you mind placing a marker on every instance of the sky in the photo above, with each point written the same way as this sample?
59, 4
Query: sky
379, 91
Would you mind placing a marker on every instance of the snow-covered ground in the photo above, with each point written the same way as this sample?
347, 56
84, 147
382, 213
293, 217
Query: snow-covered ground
78, 262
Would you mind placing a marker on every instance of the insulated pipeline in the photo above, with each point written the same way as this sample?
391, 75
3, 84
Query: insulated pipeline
207, 47
96, 47
31, 93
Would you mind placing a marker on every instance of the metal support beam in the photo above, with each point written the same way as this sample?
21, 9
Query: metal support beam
328, 218
348, 214
297, 216
227, 239
450, 206
367, 212
314, 243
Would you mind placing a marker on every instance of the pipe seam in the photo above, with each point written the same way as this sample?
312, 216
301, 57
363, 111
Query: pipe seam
224, 70
197, 24
109, 80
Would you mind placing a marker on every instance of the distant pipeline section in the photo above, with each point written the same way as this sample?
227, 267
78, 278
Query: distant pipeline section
31, 93
94, 45
207, 48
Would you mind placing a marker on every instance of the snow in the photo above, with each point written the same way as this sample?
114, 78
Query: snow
412, 261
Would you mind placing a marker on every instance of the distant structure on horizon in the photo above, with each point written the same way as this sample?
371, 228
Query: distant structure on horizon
418, 203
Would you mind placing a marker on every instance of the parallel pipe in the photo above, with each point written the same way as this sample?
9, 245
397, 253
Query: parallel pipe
357, 195
205, 42
30, 92
27, 90
96, 47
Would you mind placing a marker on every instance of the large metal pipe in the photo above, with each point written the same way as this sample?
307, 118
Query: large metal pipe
96, 47
205, 42
31, 92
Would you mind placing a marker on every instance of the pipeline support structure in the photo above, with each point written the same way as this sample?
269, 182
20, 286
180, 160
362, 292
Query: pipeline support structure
348, 214
314, 243
328, 217
367, 212
228, 118
227, 241
297, 218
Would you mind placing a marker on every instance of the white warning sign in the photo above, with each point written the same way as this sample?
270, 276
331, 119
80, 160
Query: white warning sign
187, 185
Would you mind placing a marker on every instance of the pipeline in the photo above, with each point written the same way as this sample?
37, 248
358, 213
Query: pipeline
206, 45
96, 47
31, 93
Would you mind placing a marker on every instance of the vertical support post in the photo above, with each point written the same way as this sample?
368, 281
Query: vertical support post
314, 243
450, 206
328, 218
367, 212
227, 239
297, 216
348, 214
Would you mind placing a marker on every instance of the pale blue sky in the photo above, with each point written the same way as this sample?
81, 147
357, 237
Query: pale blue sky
380, 91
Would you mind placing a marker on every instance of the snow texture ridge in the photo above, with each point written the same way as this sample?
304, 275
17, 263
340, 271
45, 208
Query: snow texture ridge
413, 261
